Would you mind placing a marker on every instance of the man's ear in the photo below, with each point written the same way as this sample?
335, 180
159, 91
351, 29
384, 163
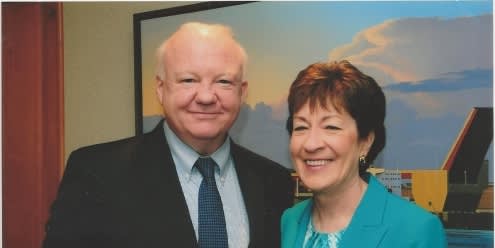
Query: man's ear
159, 89
244, 91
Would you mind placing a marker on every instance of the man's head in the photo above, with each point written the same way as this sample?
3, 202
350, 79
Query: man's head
200, 83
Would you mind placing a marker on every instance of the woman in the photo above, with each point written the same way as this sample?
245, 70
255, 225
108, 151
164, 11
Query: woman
336, 124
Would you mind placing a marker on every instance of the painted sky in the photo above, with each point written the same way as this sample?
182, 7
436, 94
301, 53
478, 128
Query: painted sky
434, 61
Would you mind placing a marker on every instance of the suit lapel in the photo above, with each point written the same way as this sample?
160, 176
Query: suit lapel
161, 210
252, 192
366, 228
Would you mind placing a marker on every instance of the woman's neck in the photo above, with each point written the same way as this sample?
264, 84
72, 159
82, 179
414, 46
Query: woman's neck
333, 210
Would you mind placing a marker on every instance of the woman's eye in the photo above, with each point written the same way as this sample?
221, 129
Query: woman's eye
331, 127
299, 128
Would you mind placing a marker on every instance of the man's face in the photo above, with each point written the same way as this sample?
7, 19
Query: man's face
202, 91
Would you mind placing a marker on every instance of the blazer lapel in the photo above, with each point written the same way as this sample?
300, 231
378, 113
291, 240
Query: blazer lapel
252, 192
161, 210
366, 228
302, 224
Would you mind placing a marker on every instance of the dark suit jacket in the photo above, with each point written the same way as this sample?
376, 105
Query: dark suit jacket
127, 194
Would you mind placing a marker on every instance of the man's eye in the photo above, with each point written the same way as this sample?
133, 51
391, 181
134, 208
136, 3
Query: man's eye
224, 81
187, 80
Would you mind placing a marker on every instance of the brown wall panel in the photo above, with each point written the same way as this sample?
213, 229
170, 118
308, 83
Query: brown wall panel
32, 118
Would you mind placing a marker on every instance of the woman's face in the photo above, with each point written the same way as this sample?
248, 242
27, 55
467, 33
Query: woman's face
325, 148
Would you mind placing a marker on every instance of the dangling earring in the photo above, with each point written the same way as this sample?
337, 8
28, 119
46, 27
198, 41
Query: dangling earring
362, 164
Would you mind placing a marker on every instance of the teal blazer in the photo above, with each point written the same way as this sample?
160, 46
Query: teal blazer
382, 219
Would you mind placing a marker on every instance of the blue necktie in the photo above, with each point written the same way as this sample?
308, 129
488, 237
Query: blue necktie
212, 230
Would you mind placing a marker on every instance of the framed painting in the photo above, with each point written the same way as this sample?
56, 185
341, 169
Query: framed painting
433, 59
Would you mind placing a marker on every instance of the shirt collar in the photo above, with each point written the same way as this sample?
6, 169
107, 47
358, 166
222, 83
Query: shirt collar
185, 157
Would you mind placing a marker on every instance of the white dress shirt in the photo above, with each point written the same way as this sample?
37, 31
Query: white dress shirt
190, 179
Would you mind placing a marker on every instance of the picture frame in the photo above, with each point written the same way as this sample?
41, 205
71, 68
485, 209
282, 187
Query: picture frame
410, 48
429, 92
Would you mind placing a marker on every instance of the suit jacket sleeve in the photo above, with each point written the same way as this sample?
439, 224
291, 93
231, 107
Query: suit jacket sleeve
432, 234
74, 213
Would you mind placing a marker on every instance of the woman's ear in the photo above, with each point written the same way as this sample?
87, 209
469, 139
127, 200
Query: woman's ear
368, 142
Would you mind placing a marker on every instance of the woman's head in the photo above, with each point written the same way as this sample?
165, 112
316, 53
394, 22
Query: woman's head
338, 88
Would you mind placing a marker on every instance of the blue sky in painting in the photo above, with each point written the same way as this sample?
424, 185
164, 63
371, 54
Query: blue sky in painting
434, 61
449, 82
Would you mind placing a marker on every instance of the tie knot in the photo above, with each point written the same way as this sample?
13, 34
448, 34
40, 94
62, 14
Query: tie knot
206, 167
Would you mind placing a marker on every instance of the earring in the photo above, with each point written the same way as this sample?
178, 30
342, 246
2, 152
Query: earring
362, 164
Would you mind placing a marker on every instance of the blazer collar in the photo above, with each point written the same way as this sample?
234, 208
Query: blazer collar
155, 182
366, 228
302, 223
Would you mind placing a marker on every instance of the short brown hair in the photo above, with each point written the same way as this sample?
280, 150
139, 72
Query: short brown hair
346, 88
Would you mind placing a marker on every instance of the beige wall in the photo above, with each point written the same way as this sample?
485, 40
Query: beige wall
99, 70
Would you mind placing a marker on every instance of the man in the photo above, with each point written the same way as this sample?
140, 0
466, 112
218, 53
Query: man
150, 190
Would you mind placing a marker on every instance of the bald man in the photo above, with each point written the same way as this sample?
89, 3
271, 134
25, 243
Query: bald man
146, 191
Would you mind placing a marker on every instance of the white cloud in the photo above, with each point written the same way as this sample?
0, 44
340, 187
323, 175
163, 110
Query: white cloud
415, 49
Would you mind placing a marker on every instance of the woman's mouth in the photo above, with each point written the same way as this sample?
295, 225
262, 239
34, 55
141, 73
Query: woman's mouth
315, 163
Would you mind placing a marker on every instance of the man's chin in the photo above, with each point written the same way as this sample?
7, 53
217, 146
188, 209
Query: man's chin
207, 135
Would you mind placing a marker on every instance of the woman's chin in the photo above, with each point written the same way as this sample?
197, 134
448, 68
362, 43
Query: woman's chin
316, 185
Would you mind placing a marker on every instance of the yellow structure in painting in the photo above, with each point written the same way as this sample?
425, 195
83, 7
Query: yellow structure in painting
429, 188
374, 171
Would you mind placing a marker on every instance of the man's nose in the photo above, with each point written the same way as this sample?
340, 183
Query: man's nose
205, 94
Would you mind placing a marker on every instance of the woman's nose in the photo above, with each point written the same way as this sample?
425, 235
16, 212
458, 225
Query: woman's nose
313, 141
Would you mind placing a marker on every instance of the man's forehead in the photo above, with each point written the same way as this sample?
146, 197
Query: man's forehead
185, 48
195, 39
